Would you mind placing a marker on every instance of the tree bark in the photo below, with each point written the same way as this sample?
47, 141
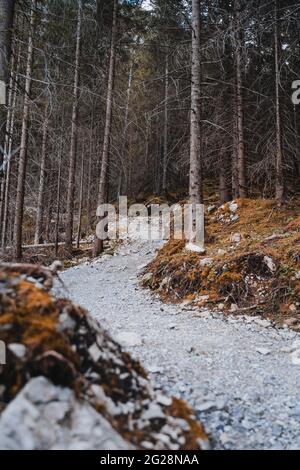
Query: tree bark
279, 185
122, 173
103, 185
78, 237
196, 177
11, 120
74, 132
41, 194
6, 158
224, 176
89, 189
166, 125
6, 23
19, 212
196, 190
57, 220
241, 160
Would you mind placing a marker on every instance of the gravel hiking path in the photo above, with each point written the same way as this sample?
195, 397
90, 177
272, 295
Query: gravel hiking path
242, 376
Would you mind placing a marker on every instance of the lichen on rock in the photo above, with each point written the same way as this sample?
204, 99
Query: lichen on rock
55, 350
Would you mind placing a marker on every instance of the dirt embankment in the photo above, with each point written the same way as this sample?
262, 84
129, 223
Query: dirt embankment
251, 264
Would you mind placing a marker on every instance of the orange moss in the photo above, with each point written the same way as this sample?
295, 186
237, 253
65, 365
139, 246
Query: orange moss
239, 274
196, 434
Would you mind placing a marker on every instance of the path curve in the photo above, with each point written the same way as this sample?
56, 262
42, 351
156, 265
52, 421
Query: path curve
238, 376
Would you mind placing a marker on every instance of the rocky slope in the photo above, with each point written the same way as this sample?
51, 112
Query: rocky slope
67, 384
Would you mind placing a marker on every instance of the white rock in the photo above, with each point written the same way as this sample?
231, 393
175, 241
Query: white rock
66, 322
295, 357
206, 262
236, 238
147, 277
224, 438
129, 339
221, 252
206, 406
262, 322
263, 351
270, 263
296, 344
95, 352
163, 400
28, 423
233, 206
154, 412
18, 349
211, 209
195, 248
297, 275
155, 369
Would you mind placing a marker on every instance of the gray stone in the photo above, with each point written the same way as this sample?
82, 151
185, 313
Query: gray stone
263, 351
44, 425
18, 350
154, 412
129, 339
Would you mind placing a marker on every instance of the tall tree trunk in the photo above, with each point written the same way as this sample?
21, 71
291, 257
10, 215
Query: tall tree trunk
41, 194
166, 125
196, 178
8, 148
103, 185
78, 237
19, 212
6, 24
122, 173
241, 160
89, 189
196, 194
74, 132
224, 176
50, 202
57, 219
6, 144
279, 185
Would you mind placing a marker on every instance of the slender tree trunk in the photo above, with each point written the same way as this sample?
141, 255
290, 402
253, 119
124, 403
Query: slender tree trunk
6, 23
8, 149
234, 160
89, 197
166, 125
78, 237
279, 186
41, 194
224, 178
6, 144
196, 179
122, 174
57, 220
297, 150
19, 212
50, 202
196, 196
74, 132
103, 185
241, 160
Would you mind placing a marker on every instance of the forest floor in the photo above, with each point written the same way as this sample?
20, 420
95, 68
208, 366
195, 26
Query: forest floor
240, 374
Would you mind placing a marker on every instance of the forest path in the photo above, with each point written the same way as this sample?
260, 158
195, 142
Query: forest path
238, 376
